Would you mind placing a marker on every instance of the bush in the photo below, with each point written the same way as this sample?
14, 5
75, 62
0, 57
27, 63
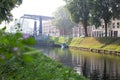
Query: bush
12, 46
36, 66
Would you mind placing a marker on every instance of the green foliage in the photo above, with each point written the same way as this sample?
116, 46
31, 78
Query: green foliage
29, 41
9, 41
39, 67
55, 39
105, 9
115, 45
68, 40
15, 64
79, 10
5, 9
59, 40
99, 43
18, 27
62, 20
12, 46
92, 11
76, 42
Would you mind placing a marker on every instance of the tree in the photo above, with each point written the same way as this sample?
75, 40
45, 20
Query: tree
5, 8
105, 10
62, 20
79, 10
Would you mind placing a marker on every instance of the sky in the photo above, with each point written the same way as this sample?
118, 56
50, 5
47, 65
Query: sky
37, 7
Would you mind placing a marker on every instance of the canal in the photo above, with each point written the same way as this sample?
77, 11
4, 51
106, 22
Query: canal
91, 65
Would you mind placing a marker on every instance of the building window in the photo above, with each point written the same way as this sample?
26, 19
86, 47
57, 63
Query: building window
113, 24
118, 25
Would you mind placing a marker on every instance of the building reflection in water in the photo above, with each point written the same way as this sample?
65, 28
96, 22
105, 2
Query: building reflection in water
92, 66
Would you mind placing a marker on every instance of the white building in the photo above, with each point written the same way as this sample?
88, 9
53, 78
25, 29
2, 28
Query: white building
113, 29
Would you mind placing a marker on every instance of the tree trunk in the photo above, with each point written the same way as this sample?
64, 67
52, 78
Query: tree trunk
85, 28
86, 34
105, 28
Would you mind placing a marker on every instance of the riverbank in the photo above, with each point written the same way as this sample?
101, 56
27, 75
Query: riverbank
34, 65
99, 45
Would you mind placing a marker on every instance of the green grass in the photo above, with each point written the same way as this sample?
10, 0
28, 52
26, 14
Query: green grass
86, 42
113, 46
90, 42
76, 42
59, 40
103, 43
56, 40
34, 65
68, 40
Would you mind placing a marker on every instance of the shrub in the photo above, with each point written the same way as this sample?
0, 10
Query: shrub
12, 45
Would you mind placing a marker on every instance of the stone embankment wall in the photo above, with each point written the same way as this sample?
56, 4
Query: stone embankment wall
100, 51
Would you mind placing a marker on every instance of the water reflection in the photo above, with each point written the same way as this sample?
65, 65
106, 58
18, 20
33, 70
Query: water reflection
92, 66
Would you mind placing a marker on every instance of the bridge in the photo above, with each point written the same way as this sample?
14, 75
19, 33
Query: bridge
40, 18
41, 39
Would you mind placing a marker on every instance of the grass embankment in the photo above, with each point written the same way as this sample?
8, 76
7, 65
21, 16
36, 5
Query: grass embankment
34, 65
97, 43
59, 40
114, 46
90, 42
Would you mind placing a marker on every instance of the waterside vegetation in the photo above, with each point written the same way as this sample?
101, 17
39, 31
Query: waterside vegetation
33, 65
90, 42
20, 62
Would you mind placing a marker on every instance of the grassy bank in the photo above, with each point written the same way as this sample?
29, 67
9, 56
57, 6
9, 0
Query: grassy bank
34, 65
89, 42
97, 43
59, 40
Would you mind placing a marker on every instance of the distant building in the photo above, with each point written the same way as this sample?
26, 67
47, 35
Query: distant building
113, 29
79, 31
49, 29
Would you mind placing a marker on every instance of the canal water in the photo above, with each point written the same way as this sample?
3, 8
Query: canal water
91, 65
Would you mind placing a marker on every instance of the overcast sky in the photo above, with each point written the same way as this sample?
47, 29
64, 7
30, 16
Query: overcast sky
37, 7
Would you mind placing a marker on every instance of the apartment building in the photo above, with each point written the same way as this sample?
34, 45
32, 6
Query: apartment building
113, 29
49, 29
79, 31
76, 31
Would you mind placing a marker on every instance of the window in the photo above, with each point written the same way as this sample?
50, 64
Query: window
118, 25
113, 24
